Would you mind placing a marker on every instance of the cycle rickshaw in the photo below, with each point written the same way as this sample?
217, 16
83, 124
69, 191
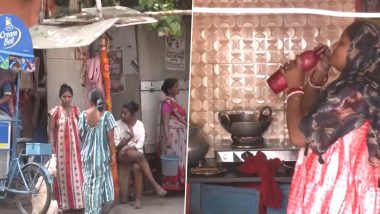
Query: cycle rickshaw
21, 178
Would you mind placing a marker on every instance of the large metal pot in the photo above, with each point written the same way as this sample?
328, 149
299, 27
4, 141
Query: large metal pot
197, 146
243, 124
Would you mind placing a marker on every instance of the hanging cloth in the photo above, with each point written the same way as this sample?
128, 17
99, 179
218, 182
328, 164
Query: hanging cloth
93, 78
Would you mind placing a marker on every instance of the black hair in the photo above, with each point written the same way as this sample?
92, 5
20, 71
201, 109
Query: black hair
355, 28
96, 98
132, 107
65, 88
168, 84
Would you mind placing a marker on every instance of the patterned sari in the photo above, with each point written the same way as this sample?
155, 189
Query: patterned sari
178, 136
98, 183
69, 181
346, 183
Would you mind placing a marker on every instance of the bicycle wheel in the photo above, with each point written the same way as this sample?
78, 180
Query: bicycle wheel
39, 198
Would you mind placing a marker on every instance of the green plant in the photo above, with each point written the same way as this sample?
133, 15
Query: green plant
166, 25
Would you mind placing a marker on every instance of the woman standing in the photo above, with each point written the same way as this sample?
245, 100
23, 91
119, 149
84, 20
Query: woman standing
64, 137
172, 129
98, 153
130, 142
337, 129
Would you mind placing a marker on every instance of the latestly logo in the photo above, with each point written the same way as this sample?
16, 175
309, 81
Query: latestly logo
11, 35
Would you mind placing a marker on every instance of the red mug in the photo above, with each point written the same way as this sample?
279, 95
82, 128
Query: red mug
309, 59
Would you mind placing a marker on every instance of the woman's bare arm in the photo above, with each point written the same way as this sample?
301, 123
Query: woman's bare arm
7, 90
311, 95
5, 99
294, 111
123, 142
111, 144
294, 115
166, 120
316, 77
51, 132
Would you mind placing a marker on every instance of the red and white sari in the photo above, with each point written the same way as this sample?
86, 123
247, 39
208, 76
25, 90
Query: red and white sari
68, 185
178, 136
346, 183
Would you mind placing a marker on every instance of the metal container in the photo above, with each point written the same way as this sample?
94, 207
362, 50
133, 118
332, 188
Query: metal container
197, 146
243, 124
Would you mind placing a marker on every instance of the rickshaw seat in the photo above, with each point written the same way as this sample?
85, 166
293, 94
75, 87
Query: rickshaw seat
21, 144
24, 140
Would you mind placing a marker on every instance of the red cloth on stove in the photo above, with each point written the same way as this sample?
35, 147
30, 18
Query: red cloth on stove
270, 193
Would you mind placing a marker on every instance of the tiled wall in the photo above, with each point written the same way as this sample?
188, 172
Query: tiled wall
232, 56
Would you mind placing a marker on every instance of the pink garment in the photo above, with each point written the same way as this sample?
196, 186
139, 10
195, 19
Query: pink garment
178, 138
166, 108
346, 183
94, 78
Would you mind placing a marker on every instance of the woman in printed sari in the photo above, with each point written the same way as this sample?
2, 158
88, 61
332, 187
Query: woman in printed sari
64, 138
98, 154
172, 130
337, 128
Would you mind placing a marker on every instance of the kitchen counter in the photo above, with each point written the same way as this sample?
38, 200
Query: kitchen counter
236, 192
218, 193
284, 175
274, 148
270, 145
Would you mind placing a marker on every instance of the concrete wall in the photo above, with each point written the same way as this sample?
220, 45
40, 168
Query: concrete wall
63, 68
125, 39
132, 92
151, 52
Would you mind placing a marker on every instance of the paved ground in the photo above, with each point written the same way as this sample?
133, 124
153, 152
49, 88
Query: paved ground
151, 204
154, 205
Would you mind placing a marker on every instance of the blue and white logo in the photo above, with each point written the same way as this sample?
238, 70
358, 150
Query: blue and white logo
16, 48
11, 35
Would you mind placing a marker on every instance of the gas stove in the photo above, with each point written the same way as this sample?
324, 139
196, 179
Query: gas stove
232, 151
247, 142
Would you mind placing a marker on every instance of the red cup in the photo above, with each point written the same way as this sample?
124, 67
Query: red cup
277, 82
309, 59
